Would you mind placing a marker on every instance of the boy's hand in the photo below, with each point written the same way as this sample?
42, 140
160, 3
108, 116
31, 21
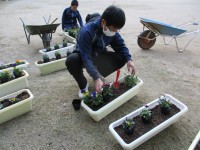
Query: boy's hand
130, 65
99, 84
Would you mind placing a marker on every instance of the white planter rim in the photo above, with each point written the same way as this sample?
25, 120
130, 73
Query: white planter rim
12, 81
18, 103
183, 108
195, 142
25, 63
51, 62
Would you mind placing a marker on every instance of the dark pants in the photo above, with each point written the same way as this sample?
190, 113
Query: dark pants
106, 64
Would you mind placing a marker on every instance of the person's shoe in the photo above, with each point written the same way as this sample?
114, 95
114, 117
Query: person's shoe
82, 93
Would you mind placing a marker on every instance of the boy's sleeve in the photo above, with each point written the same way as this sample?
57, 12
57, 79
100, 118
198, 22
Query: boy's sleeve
119, 47
80, 19
63, 19
85, 47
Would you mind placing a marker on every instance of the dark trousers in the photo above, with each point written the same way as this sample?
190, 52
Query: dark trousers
106, 64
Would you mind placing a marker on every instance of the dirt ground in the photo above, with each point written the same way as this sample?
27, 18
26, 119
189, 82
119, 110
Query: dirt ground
53, 123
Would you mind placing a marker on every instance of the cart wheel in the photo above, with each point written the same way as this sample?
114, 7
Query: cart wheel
144, 43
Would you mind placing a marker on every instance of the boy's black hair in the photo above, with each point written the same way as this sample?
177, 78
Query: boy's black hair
74, 3
114, 16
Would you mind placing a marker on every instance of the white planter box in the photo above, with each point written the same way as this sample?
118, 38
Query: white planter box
152, 132
195, 142
63, 50
67, 37
52, 66
16, 109
22, 66
14, 85
104, 111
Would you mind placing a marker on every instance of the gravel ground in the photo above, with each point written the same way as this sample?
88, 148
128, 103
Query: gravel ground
53, 123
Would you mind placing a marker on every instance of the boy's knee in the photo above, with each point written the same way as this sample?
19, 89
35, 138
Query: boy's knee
73, 60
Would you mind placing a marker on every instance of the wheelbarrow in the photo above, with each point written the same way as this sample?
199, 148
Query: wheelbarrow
148, 37
44, 31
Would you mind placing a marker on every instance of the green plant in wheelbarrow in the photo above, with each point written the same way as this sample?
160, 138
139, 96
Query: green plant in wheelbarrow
45, 58
58, 55
128, 126
107, 92
165, 105
17, 72
130, 80
64, 44
48, 49
146, 115
56, 46
5, 76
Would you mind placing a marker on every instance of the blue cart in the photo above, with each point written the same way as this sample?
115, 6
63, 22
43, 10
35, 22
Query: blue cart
148, 37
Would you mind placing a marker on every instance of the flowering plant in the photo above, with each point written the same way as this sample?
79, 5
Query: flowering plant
68, 53
18, 62
2, 66
17, 72
48, 49
45, 58
164, 103
56, 46
128, 124
13, 99
146, 113
130, 80
73, 32
107, 91
64, 44
5, 76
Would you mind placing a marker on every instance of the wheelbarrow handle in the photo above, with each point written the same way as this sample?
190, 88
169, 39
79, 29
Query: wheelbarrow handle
54, 20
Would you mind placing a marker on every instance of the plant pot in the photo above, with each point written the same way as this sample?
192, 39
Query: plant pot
63, 50
105, 110
21, 66
68, 54
196, 143
14, 85
165, 110
16, 109
68, 37
46, 60
146, 121
151, 132
76, 104
128, 132
58, 56
52, 66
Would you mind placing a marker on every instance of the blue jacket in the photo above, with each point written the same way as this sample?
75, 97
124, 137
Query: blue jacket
69, 18
84, 45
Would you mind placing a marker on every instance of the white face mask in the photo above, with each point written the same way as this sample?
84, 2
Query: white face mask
108, 32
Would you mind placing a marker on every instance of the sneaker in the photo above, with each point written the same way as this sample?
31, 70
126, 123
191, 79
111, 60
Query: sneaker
80, 94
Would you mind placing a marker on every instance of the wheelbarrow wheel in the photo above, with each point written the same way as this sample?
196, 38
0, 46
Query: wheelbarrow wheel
144, 43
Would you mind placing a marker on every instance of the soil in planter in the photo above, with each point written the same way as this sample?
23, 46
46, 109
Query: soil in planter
141, 128
10, 65
12, 78
116, 93
22, 96
52, 59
